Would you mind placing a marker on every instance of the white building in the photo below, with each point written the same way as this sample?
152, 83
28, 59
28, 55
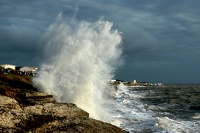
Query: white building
112, 81
28, 69
133, 82
6, 66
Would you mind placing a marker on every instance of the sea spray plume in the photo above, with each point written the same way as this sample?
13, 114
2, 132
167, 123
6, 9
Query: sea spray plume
79, 63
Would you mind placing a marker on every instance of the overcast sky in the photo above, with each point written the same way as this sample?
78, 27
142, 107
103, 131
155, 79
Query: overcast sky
161, 38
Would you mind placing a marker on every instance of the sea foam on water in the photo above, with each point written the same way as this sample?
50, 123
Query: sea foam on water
80, 60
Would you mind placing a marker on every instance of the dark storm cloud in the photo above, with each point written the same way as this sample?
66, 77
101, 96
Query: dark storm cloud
19, 39
160, 37
22, 26
162, 31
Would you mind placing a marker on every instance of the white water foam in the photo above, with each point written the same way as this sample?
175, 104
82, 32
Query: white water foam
80, 60
177, 126
134, 116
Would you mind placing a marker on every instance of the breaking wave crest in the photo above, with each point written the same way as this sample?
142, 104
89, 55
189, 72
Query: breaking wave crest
80, 59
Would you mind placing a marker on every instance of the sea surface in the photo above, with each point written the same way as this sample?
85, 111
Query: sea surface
156, 109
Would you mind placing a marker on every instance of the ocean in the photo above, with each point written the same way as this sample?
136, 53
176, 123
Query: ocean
156, 109
80, 58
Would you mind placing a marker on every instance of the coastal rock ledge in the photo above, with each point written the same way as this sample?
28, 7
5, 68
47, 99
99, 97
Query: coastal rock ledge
37, 112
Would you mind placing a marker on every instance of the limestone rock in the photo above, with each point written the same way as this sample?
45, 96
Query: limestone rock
7, 102
32, 98
48, 117
61, 110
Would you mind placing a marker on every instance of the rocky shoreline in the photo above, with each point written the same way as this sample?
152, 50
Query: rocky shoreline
27, 110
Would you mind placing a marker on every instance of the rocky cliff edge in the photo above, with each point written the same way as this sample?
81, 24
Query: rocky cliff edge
26, 110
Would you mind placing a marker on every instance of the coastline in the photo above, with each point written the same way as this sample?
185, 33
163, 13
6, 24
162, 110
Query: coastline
24, 109
129, 84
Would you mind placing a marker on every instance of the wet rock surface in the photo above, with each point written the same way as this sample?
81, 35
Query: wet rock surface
23, 110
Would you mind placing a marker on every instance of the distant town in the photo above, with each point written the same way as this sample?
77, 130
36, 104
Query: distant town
134, 83
13, 69
32, 71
